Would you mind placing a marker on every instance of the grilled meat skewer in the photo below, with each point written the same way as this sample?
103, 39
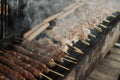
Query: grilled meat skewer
50, 51
13, 66
28, 67
42, 67
14, 75
37, 64
45, 59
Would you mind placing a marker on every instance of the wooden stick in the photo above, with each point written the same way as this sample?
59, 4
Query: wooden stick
92, 35
113, 16
52, 17
98, 28
103, 26
72, 58
69, 11
38, 31
86, 43
88, 39
28, 33
106, 20
56, 73
46, 76
76, 49
62, 66
70, 6
70, 61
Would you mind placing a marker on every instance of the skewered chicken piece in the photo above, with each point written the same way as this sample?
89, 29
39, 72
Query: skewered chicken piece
14, 75
15, 67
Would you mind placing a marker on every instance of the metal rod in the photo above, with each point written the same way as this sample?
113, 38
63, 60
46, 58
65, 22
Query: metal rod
88, 39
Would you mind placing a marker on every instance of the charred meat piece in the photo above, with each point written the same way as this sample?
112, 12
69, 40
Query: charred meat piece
28, 67
35, 55
15, 67
11, 74
37, 64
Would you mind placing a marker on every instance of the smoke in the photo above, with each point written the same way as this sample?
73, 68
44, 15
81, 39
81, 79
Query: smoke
25, 14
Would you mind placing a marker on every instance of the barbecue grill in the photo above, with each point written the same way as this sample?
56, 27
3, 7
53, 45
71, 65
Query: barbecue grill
43, 52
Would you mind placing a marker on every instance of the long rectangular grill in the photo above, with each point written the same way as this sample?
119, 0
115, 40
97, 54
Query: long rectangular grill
26, 59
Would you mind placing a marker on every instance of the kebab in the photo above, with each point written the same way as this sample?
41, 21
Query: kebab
45, 59
28, 67
15, 67
49, 50
31, 45
14, 75
37, 64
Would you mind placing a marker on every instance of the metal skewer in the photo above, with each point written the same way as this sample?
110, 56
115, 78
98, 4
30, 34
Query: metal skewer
103, 26
62, 66
56, 73
70, 61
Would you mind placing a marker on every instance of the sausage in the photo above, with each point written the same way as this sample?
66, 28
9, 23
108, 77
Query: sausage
28, 67
44, 59
13, 75
42, 67
48, 50
15, 67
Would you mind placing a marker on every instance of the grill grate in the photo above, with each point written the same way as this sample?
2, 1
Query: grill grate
85, 48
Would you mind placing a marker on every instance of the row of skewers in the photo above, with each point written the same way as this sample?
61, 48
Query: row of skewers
33, 58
